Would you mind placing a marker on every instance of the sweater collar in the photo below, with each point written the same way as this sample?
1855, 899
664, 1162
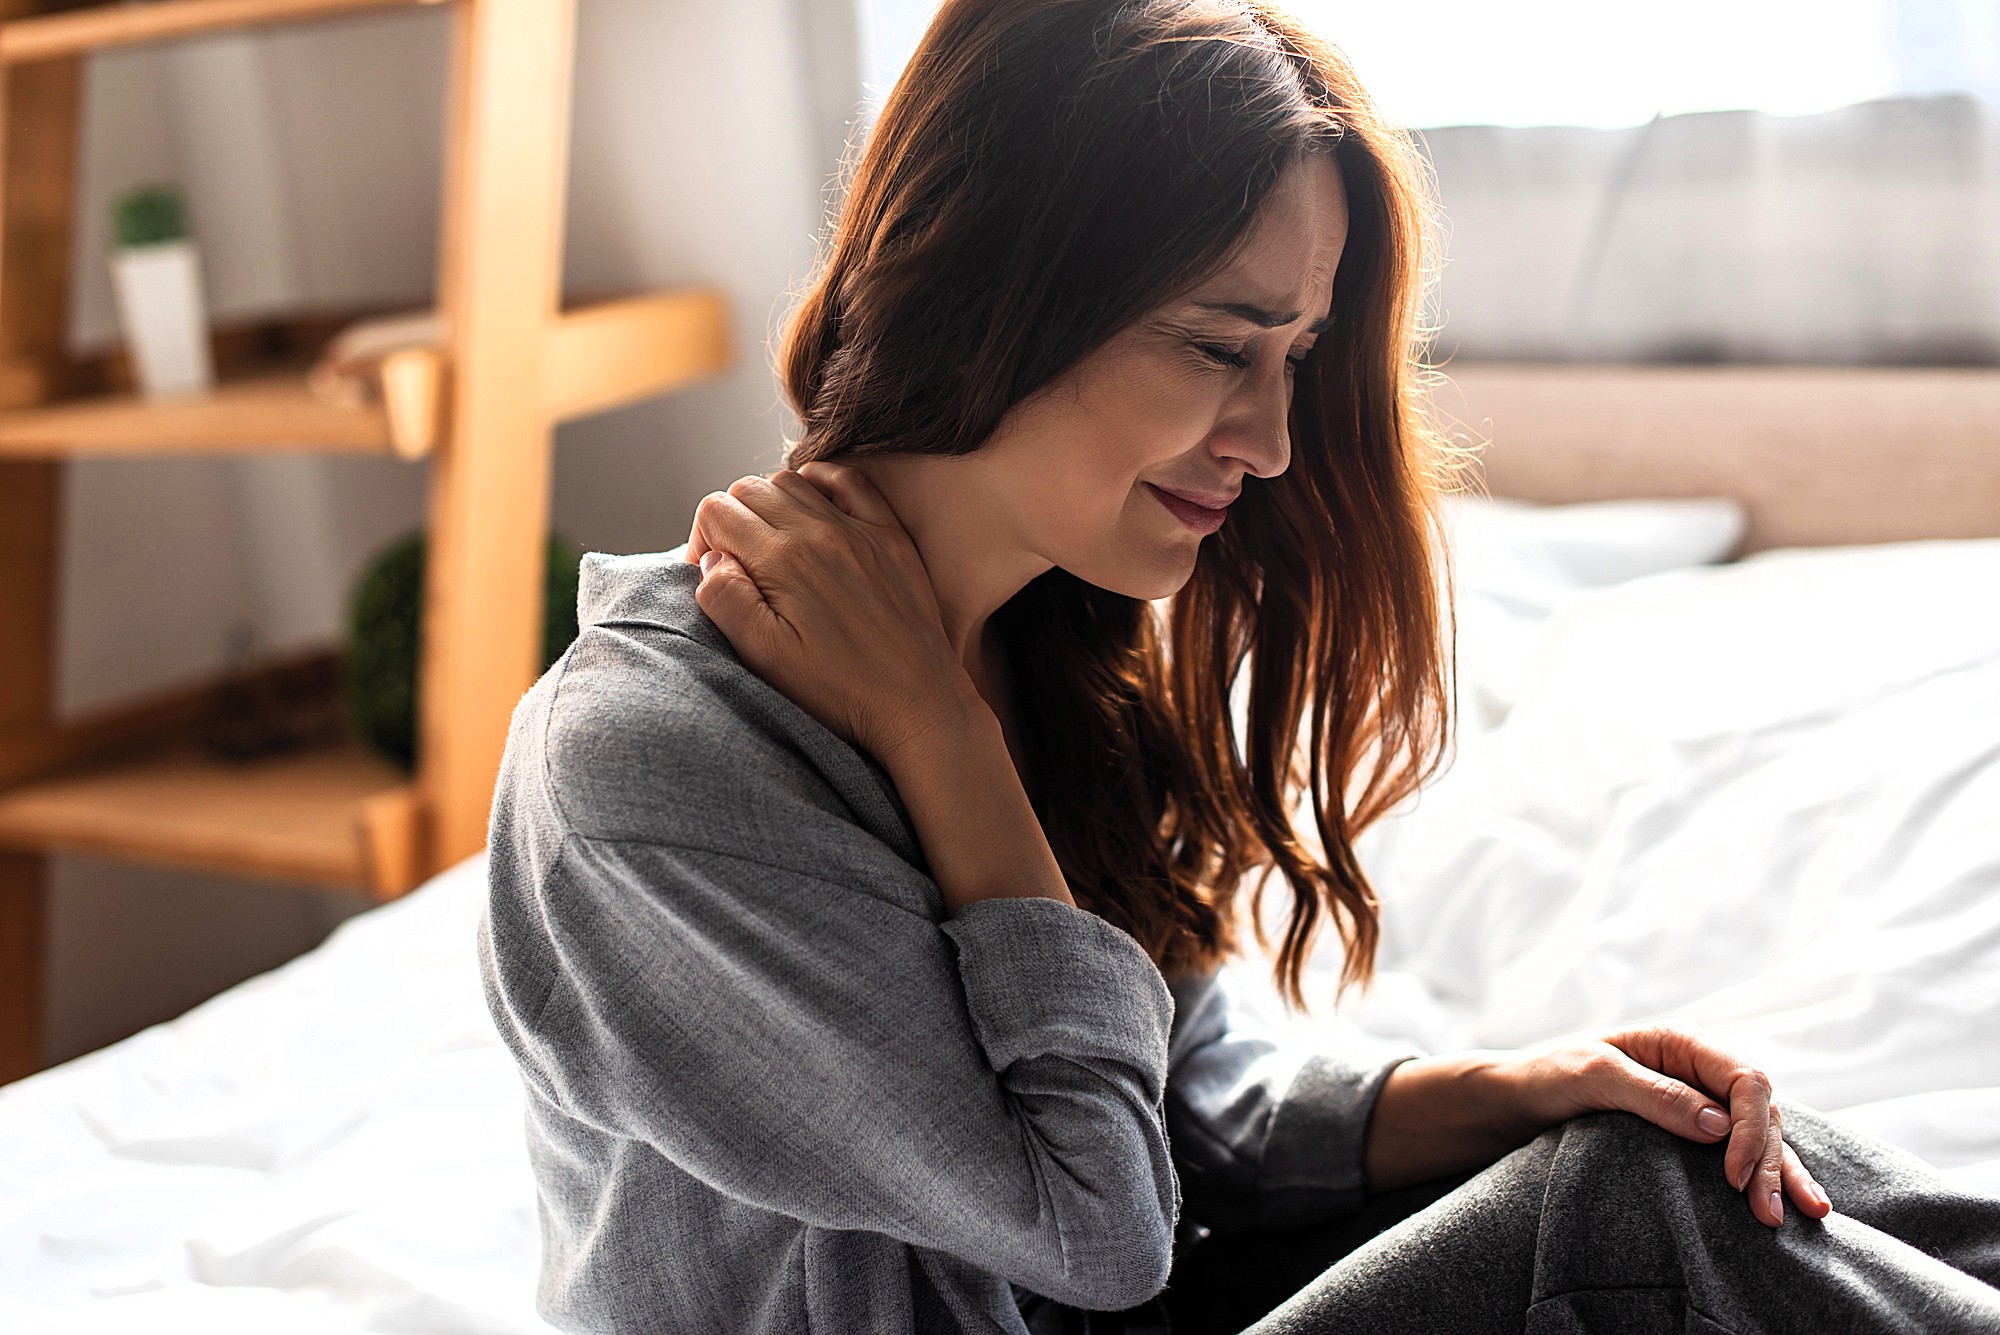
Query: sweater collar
650, 588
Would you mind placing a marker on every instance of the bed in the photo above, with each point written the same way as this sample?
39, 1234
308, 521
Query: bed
1714, 762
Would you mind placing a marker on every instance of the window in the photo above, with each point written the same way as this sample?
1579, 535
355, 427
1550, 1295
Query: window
1588, 62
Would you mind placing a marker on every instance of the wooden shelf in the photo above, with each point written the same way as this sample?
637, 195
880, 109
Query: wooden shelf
594, 357
252, 415
81, 31
482, 404
338, 816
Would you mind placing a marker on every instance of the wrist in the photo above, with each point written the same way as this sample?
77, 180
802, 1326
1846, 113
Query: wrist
1447, 1113
942, 726
1515, 1087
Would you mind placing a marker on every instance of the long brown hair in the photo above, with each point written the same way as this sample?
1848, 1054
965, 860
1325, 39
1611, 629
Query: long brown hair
1043, 173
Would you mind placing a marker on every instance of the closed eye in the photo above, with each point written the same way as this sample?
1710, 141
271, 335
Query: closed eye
1235, 358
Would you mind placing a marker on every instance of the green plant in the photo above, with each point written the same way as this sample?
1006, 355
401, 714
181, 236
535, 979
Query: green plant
385, 620
148, 215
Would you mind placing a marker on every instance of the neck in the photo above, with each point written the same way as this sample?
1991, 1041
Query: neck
975, 558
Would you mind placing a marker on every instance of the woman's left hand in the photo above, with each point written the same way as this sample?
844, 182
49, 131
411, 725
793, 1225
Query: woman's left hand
1446, 1113
1674, 1078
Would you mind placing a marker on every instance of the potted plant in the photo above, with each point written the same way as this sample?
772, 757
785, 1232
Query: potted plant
156, 273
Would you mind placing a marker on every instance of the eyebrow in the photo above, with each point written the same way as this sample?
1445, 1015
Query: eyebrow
1266, 319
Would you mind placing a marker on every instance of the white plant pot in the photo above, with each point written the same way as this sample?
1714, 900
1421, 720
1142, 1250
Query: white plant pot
165, 323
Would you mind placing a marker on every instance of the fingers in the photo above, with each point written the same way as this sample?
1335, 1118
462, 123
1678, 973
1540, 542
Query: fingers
1757, 1161
783, 499
734, 603
849, 488
1767, 1180
1745, 1089
802, 494
1804, 1191
819, 490
1661, 1099
806, 493
723, 522
1750, 1125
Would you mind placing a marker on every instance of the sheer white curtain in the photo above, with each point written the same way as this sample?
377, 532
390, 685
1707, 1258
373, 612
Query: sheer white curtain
1810, 180
1589, 63
1866, 234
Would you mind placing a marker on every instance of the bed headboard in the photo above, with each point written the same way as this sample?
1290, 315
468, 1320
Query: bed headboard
1819, 455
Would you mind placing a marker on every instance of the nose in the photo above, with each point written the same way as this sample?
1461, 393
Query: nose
1257, 431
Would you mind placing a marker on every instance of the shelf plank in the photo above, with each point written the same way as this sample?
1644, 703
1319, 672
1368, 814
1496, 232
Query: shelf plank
40, 745
594, 358
306, 817
80, 31
601, 356
252, 415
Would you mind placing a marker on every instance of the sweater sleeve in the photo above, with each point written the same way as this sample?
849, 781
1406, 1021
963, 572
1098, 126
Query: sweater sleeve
1265, 1134
989, 1086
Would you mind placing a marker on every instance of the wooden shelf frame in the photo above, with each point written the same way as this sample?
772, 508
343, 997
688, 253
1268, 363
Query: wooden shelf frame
481, 408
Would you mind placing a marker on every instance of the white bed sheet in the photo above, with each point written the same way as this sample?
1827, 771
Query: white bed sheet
1762, 797
1766, 796
333, 1146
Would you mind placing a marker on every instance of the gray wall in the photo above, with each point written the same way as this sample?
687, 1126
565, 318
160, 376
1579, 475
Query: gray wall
311, 156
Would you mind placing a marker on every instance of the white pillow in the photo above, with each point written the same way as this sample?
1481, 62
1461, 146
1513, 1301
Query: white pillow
1762, 794
1514, 565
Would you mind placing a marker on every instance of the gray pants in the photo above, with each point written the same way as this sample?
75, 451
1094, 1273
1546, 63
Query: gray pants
1608, 1223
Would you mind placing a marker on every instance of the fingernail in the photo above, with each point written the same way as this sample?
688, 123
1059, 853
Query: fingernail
1777, 1207
708, 559
1819, 1194
1712, 1120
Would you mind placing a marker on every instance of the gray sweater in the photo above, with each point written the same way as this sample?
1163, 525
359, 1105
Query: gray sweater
771, 1087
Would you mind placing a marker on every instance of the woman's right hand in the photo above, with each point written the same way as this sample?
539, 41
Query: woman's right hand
823, 594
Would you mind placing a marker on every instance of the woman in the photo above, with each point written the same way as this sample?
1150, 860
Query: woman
860, 875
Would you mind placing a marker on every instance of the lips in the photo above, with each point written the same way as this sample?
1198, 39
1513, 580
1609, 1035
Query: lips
1188, 507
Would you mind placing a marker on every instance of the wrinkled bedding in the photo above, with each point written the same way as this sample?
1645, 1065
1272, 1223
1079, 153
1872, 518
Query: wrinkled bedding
1762, 796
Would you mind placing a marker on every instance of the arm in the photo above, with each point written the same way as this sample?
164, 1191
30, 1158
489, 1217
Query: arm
979, 833
795, 1028
800, 1039
824, 596
1444, 1114
1265, 1134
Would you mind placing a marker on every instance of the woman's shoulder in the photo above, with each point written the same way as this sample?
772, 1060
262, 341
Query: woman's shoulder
651, 728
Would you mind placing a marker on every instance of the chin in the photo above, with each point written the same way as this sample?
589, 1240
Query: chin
1161, 576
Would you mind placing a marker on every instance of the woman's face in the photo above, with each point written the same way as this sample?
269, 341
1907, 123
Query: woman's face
1117, 470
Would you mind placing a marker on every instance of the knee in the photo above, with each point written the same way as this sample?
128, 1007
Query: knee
1617, 1128
1630, 1142
1806, 1129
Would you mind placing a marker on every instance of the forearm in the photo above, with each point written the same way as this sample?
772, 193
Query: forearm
1442, 1115
978, 830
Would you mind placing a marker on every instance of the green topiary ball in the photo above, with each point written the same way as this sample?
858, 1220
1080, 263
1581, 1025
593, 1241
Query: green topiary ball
385, 620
